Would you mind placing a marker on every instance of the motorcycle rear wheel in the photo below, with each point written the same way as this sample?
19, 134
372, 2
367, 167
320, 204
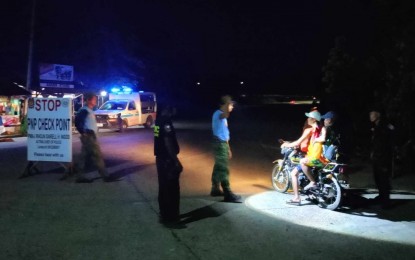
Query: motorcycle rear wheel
331, 196
280, 179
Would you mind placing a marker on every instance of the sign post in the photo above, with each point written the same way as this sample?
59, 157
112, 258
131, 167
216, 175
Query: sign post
49, 132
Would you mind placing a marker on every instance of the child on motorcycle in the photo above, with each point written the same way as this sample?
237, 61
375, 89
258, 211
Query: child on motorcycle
314, 153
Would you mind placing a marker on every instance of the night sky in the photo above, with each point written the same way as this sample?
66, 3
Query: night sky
274, 47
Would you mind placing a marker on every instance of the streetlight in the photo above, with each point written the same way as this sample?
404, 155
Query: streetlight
103, 95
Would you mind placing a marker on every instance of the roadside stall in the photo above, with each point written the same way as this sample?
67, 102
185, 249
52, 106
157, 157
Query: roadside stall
12, 107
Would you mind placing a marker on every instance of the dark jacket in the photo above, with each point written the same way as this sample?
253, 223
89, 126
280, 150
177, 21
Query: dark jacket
165, 141
382, 143
80, 117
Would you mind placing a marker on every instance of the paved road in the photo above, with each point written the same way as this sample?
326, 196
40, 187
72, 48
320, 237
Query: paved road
43, 218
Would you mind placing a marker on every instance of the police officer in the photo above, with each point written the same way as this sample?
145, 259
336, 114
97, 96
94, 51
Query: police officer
381, 154
166, 149
86, 125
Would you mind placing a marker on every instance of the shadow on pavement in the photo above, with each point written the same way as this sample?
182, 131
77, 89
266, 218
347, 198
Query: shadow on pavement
400, 208
262, 187
210, 211
52, 168
117, 175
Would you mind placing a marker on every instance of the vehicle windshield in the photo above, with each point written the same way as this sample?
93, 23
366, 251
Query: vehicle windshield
114, 105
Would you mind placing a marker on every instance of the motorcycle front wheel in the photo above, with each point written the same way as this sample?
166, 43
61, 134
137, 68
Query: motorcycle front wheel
280, 178
331, 194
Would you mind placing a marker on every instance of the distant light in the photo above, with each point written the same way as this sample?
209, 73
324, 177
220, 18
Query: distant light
115, 90
292, 102
127, 90
69, 95
103, 93
242, 82
43, 88
198, 83
140, 91
18, 85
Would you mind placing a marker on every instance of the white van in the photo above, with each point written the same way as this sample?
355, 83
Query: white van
125, 110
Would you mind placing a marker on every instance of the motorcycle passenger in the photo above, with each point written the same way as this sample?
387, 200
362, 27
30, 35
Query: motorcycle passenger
331, 143
314, 154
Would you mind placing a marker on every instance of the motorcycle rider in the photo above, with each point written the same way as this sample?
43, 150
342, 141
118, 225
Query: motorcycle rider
304, 140
314, 154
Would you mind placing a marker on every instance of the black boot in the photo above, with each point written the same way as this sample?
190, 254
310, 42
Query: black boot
215, 191
232, 197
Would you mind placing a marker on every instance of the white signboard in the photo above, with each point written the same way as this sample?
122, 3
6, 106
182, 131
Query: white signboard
49, 129
56, 72
56, 85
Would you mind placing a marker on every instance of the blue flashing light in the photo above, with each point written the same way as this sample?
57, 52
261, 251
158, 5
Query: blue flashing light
115, 90
127, 90
140, 91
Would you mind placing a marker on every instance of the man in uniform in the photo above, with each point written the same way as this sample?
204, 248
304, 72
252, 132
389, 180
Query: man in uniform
86, 125
381, 155
222, 151
166, 149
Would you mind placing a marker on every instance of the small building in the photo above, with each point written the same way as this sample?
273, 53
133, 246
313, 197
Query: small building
12, 105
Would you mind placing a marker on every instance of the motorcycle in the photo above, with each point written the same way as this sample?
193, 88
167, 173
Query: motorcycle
281, 172
330, 179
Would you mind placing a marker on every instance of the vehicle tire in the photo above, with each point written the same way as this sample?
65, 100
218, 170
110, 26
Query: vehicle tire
331, 194
149, 122
280, 178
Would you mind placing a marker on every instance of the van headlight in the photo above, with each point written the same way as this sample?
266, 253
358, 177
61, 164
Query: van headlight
112, 116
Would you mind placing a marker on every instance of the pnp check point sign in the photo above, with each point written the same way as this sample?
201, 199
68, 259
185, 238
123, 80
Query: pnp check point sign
49, 129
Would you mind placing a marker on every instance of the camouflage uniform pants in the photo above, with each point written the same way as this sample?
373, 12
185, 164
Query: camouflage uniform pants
90, 153
220, 173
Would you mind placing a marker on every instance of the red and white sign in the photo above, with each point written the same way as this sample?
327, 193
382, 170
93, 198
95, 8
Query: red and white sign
49, 129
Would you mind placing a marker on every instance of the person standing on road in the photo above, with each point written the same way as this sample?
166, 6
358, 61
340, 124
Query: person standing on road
86, 125
222, 151
166, 149
381, 155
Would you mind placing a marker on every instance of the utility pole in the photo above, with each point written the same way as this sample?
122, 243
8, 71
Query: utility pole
30, 54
